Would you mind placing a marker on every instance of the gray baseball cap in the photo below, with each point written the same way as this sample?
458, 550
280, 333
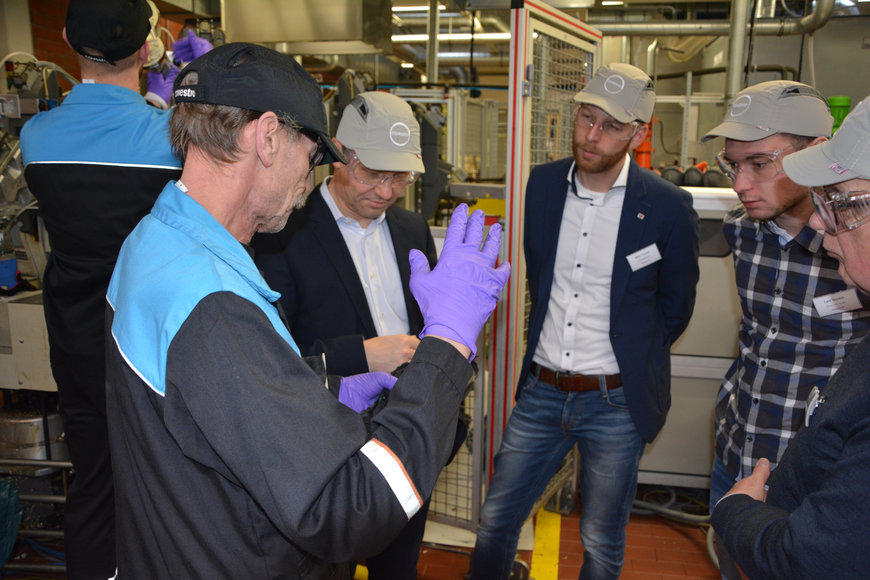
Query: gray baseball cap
775, 107
846, 156
382, 130
622, 91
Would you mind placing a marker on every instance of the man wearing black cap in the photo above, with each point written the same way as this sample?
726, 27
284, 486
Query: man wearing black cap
612, 255
96, 164
233, 457
358, 311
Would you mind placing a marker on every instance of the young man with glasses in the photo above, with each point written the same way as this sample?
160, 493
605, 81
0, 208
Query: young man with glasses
810, 518
799, 318
341, 266
612, 263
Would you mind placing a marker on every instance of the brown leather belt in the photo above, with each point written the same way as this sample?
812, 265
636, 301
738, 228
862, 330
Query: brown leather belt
574, 382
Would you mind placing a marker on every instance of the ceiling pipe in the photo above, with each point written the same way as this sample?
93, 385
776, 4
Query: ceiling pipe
736, 48
432, 46
651, 53
786, 73
782, 27
492, 21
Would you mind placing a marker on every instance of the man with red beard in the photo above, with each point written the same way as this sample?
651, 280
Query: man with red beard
612, 263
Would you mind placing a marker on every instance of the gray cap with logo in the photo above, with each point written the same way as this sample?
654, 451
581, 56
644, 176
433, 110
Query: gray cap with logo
846, 156
775, 107
622, 91
383, 132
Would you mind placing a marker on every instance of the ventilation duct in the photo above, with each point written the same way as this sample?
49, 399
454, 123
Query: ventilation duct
311, 26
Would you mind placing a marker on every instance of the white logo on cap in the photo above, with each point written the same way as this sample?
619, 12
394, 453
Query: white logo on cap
740, 106
400, 134
186, 92
614, 84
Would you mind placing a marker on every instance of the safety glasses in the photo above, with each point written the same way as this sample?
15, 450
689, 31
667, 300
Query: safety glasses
608, 127
840, 211
398, 180
757, 168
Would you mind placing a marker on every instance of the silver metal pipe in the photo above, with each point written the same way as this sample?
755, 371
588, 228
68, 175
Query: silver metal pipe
36, 463
736, 48
768, 27
39, 498
432, 45
651, 53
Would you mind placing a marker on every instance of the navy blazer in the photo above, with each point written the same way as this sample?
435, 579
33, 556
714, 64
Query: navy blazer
321, 294
649, 308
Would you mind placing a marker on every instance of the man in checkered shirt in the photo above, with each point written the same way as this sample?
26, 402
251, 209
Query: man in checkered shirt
799, 318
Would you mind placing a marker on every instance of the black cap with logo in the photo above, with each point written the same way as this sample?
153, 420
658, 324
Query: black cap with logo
249, 76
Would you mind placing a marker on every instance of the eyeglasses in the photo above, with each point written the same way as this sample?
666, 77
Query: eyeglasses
757, 168
398, 180
319, 151
841, 211
608, 127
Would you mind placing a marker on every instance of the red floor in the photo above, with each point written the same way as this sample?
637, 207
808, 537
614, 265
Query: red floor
656, 549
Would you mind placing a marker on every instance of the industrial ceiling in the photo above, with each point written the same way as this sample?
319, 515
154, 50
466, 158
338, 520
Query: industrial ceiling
474, 35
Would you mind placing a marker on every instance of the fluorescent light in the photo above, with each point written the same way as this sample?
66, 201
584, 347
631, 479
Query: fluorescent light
612, 2
463, 55
455, 36
416, 8
407, 65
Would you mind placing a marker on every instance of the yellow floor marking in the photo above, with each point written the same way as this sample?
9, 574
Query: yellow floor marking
545, 556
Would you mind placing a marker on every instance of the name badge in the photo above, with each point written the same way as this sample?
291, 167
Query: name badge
644, 257
838, 302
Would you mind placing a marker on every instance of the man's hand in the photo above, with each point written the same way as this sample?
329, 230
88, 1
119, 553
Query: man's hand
387, 353
458, 295
359, 392
753, 486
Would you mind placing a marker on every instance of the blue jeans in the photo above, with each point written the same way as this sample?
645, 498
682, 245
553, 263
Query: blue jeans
720, 483
542, 428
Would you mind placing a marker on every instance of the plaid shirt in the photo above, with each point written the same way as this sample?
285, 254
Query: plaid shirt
786, 346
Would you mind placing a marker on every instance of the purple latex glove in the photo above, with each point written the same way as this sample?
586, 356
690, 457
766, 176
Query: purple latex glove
191, 47
359, 392
159, 85
458, 295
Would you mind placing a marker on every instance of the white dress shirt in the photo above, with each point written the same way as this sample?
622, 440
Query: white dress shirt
375, 259
576, 333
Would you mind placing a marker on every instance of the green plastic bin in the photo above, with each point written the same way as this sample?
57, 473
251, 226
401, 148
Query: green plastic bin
840, 107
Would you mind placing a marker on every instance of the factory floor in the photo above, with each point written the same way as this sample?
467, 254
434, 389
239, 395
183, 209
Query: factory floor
657, 549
